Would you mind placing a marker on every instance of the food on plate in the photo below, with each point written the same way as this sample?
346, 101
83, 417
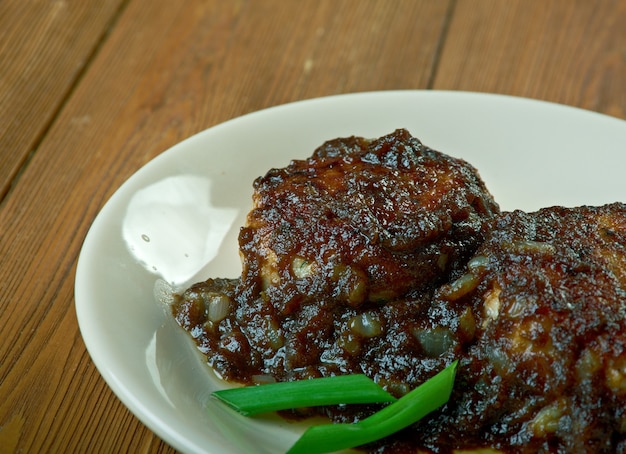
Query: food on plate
361, 221
408, 410
335, 390
386, 258
342, 390
332, 247
545, 368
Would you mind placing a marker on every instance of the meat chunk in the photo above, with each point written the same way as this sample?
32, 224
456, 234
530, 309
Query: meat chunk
331, 245
546, 368
362, 221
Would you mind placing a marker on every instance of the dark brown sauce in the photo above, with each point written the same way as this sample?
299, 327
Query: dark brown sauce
533, 305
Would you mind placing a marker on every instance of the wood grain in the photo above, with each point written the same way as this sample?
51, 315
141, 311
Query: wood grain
570, 52
96, 89
166, 70
44, 48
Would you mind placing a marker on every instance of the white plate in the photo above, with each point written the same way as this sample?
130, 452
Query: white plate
178, 217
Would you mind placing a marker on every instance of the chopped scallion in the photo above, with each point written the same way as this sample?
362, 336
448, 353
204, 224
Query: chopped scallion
409, 409
341, 389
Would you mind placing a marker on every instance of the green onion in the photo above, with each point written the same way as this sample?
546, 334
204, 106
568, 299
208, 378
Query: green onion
341, 389
409, 409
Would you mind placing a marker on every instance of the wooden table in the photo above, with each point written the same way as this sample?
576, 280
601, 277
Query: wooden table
91, 91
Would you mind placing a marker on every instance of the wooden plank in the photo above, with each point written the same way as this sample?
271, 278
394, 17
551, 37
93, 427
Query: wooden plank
44, 47
571, 52
167, 70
